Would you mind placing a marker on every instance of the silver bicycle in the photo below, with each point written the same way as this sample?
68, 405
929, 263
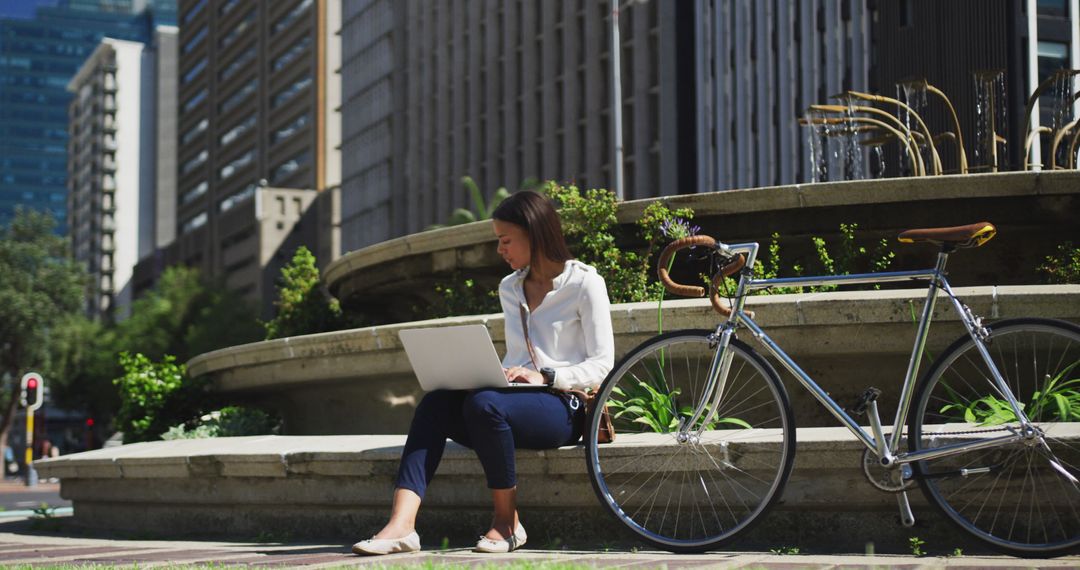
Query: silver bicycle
705, 435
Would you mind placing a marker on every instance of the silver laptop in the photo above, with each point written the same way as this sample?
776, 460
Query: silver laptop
455, 358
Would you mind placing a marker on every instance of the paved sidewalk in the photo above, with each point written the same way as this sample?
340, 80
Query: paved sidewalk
44, 542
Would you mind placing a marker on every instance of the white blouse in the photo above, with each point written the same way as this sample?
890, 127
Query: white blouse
570, 329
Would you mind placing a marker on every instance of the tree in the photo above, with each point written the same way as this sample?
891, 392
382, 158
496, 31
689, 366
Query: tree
185, 315
302, 306
182, 316
41, 288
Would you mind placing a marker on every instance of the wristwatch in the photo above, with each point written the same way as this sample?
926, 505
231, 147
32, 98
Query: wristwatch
549, 375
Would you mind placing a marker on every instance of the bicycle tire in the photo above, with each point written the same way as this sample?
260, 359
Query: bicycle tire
1017, 498
730, 477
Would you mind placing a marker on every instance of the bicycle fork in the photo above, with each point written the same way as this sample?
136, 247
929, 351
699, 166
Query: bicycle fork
709, 403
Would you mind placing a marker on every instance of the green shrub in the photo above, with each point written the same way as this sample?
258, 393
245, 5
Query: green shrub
593, 233
230, 421
459, 296
155, 396
1062, 267
846, 258
302, 306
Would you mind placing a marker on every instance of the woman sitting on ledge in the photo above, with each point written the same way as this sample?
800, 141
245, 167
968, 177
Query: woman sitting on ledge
564, 305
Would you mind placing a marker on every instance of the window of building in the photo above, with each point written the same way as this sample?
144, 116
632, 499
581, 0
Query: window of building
194, 11
235, 132
239, 95
285, 169
227, 6
238, 64
289, 129
237, 197
194, 223
195, 71
1052, 7
1052, 57
238, 29
194, 193
195, 40
194, 162
292, 53
195, 131
195, 100
287, 20
289, 92
236, 164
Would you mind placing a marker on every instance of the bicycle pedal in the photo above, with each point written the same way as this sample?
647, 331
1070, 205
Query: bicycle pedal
871, 394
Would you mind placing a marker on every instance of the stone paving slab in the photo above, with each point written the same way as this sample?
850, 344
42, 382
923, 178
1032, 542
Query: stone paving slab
27, 547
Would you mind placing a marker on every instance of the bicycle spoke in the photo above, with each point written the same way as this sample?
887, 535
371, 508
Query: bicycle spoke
678, 493
1023, 496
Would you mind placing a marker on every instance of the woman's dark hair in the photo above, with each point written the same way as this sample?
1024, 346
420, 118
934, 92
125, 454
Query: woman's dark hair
535, 214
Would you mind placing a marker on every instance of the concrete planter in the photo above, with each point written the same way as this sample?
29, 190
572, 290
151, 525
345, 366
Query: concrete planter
360, 382
1034, 211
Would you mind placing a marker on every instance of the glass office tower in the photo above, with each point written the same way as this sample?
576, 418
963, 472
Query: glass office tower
38, 57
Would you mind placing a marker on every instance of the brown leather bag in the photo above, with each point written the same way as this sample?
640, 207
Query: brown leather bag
606, 432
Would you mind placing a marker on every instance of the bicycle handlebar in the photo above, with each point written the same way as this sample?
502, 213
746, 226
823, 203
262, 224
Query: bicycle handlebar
734, 264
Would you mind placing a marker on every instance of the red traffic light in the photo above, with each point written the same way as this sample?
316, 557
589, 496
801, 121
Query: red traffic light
31, 384
89, 422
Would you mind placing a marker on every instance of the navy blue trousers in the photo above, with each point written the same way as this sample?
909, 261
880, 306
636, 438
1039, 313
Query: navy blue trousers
492, 422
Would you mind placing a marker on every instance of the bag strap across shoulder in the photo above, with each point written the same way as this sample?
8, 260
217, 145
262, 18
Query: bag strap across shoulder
525, 328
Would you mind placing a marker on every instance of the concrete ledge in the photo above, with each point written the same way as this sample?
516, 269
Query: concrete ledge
360, 381
1033, 211
340, 486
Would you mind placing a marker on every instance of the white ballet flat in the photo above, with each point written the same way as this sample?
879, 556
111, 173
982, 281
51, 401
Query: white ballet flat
516, 541
377, 546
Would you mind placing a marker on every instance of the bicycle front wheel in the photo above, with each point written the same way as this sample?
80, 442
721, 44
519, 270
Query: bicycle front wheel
690, 494
1022, 497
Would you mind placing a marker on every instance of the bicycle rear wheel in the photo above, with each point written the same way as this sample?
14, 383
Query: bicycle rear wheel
692, 496
1023, 497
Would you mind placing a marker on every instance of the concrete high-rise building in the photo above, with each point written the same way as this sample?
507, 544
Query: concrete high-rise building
257, 109
119, 157
504, 91
38, 57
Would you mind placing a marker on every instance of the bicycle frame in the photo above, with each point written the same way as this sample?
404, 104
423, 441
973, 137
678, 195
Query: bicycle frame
889, 455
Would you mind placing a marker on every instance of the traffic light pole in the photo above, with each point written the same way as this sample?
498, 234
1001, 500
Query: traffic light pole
33, 390
31, 473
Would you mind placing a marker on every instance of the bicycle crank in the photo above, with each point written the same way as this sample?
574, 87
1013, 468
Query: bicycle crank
888, 479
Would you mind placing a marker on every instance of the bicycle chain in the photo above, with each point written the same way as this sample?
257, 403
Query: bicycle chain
972, 432
881, 481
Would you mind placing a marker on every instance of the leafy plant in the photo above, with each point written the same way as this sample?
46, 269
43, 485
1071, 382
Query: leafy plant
593, 233
230, 421
154, 396
482, 209
846, 258
1057, 399
302, 305
653, 403
784, 550
1062, 267
459, 296
916, 544
44, 518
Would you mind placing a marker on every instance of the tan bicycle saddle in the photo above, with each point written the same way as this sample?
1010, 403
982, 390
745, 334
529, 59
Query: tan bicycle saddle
971, 235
